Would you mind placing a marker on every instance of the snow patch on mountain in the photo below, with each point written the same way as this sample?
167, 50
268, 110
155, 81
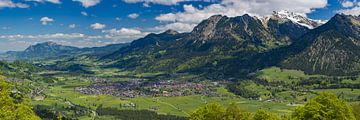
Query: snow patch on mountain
298, 19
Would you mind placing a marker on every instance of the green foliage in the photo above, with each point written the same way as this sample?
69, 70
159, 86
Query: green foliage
356, 110
136, 114
217, 112
262, 114
233, 112
17, 108
326, 106
209, 112
248, 89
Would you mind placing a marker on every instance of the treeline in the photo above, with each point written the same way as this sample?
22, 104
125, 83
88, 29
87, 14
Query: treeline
21, 70
262, 87
136, 114
326, 106
55, 112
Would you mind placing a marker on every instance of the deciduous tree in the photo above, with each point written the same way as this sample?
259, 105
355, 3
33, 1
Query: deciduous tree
11, 109
326, 106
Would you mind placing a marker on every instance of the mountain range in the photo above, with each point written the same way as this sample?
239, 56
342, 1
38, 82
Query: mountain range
52, 50
226, 47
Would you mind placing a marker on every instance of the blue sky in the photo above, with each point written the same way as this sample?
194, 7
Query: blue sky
86, 23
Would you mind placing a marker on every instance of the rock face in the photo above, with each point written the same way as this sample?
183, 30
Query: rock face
245, 31
207, 29
331, 49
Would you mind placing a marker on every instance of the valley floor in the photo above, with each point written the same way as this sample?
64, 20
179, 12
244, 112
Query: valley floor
63, 95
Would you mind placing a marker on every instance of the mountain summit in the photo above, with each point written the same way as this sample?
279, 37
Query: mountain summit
40, 51
47, 48
331, 49
296, 18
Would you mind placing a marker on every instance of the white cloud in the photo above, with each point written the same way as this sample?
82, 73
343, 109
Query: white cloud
11, 4
146, 5
44, 36
5, 28
72, 26
97, 26
347, 4
162, 2
46, 20
231, 8
352, 11
84, 13
43, 1
73, 39
180, 27
124, 33
133, 15
88, 3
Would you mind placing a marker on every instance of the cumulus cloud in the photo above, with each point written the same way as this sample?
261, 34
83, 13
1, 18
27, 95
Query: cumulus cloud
97, 26
124, 33
231, 8
44, 36
84, 13
5, 28
351, 11
133, 15
347, 4
72, 26
162, 2
46, 20
7, 42
146, 5
88, 3
350, 8
11, 4
43, 1
177, 26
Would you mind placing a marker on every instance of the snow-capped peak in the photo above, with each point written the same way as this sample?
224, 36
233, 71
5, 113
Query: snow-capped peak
297, 18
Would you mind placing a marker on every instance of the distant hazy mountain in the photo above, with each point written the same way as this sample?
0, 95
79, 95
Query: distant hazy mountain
49, 50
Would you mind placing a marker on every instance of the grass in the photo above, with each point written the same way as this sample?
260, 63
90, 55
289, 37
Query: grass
183, 105
344, 93
274, 74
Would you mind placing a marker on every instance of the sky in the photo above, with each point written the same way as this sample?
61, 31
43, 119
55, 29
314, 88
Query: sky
88, 23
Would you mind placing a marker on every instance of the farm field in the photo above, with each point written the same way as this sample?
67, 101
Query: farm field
63, 94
